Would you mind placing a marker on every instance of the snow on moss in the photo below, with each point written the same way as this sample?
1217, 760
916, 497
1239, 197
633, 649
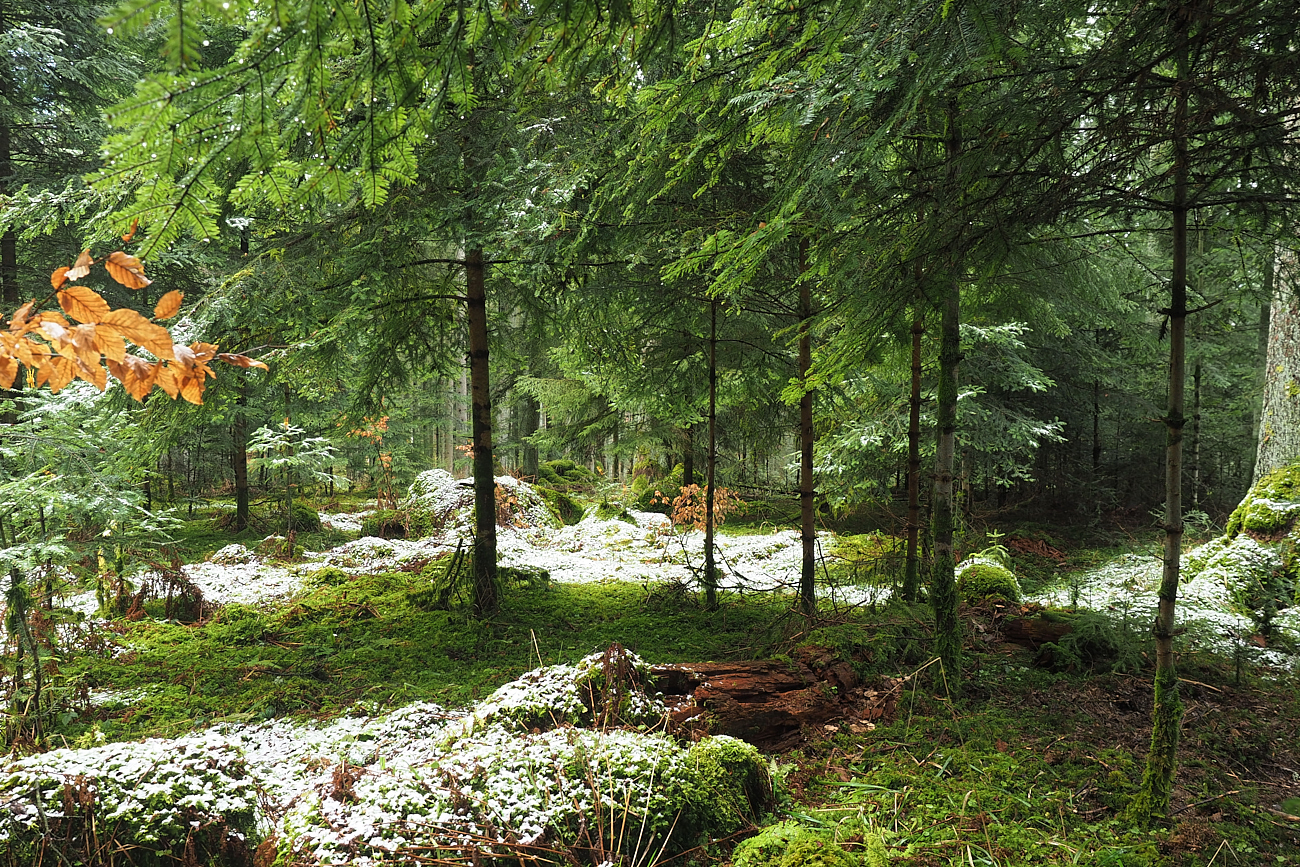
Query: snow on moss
361, 790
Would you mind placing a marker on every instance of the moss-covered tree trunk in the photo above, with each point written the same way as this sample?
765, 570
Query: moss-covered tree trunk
943, 586
912, 572
1152, 799
807, 493
710, 467
485, 507
1279, 425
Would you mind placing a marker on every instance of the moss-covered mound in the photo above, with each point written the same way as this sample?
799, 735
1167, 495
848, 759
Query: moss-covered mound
789, 844
1255, 561
565, 475
438, 501
983, 577
869, 558
557, 767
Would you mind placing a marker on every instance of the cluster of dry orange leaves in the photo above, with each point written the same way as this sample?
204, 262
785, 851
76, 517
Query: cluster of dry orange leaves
96, 347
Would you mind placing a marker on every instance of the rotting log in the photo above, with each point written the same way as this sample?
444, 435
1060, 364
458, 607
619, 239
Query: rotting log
772, 704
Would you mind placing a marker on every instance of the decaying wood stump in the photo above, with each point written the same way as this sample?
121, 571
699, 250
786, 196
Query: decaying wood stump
772, 703
1034, 631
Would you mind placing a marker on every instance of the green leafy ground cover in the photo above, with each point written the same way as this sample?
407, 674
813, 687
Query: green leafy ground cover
1027, 767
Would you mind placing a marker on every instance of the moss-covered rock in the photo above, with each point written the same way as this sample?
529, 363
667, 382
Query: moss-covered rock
567, 510
305, 518
565, 475
981, 577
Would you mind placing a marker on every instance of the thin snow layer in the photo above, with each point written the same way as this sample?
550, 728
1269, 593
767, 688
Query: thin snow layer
345, 522
359, 788
1128, 587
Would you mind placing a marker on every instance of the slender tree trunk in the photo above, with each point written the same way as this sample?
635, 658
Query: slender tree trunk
8, 244
807, 493
710, 566
528, 427
239, 457
912, 574
1196, 434
943, 588
1152, 799
486, 600
688, 455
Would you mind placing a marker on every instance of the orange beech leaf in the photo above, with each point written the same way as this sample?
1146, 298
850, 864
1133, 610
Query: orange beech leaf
81, 267
60, 276
241, 361
135, 224
21, 316
141, 332
111, 342
165, 378
8, 371
192, 387
83, 304
169, 305
22, 350
51, 316
136, 374
127, 270
54, 331
93, 374
86, 342
58, 372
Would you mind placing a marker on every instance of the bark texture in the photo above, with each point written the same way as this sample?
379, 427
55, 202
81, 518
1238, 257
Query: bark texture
710, 563
807, 493
486, 600
912, 572
1279, 426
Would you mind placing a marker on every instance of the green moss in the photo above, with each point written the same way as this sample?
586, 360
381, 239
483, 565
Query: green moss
869, 558
614, 512
731, 786
305, 518
565, 509
980, 578
789, 844
566, 475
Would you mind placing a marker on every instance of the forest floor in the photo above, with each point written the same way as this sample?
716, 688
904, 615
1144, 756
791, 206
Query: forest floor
1031, 764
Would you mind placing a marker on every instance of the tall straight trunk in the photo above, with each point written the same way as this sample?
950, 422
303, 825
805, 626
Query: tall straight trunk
485, 509
1152, 799
943, 587
1096, 431
528, 423
8, 244
688, 455
239, 458
912, 573
807, 493
710, 467
1196, 434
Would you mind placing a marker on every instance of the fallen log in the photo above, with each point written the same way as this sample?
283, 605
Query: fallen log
772, 704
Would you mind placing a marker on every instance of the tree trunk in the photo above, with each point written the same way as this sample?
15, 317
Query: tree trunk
1279, 425
8, 247
485, 510
943, 589
528, 426
1152, 799
912, 574
688, 455
807, 515
239, 458
710, 566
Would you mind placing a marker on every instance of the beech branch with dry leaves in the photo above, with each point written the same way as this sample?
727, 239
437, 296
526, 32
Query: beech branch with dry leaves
98, 345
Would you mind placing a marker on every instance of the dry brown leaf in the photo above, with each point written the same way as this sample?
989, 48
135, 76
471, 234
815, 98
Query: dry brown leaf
241, 361
192, 387
168, 305
83, 304
81, 267
60, 276
165, 378
20, 317
135, 224
110, 341
126, 269
93, 374
58, 372
8, 370
141, 332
